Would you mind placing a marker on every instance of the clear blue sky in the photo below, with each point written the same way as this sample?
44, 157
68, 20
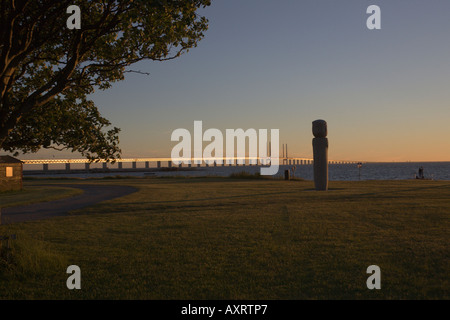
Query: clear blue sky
282, 64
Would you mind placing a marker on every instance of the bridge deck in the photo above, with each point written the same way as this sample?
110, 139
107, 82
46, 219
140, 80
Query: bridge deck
193, 160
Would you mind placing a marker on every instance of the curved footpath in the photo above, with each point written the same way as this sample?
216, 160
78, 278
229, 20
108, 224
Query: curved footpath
92, 194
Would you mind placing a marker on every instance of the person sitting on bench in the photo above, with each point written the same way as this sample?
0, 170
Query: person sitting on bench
420, 176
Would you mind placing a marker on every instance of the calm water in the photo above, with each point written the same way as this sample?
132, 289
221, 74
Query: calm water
349, 172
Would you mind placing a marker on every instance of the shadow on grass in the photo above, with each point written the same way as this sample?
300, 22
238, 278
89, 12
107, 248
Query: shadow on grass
396, 192
216, 198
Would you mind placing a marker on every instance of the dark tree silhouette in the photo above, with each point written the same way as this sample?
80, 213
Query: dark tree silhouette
47, 71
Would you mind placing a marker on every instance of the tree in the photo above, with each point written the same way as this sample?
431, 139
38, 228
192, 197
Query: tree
47, 71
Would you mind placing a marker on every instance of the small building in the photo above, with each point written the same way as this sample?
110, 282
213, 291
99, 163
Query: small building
11, 174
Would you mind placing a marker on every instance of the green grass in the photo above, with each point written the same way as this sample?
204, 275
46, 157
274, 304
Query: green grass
246, 175
34, 194
218, 238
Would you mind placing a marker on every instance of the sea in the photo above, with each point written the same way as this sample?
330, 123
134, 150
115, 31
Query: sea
337, 172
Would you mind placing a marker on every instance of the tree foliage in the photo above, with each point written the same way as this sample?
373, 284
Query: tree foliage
47, 71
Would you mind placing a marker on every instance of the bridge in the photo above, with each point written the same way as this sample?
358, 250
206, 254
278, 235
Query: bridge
169, 162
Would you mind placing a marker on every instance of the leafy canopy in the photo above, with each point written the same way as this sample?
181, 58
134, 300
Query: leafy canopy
47, 71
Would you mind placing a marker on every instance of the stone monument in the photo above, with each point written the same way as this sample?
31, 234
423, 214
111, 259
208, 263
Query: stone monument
320, 150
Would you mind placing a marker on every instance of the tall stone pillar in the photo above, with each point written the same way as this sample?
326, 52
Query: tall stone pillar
320, 150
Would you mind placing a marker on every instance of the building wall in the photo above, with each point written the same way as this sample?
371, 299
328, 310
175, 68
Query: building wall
13, 183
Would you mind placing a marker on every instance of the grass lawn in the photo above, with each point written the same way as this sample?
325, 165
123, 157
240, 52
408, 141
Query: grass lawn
219, 238
34, 194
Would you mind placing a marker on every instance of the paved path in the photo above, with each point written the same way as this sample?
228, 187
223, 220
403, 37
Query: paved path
92, 194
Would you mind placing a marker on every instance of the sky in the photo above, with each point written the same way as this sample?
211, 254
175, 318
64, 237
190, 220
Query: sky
281, 64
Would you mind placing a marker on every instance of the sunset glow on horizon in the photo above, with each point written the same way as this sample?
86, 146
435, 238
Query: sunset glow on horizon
283, 64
